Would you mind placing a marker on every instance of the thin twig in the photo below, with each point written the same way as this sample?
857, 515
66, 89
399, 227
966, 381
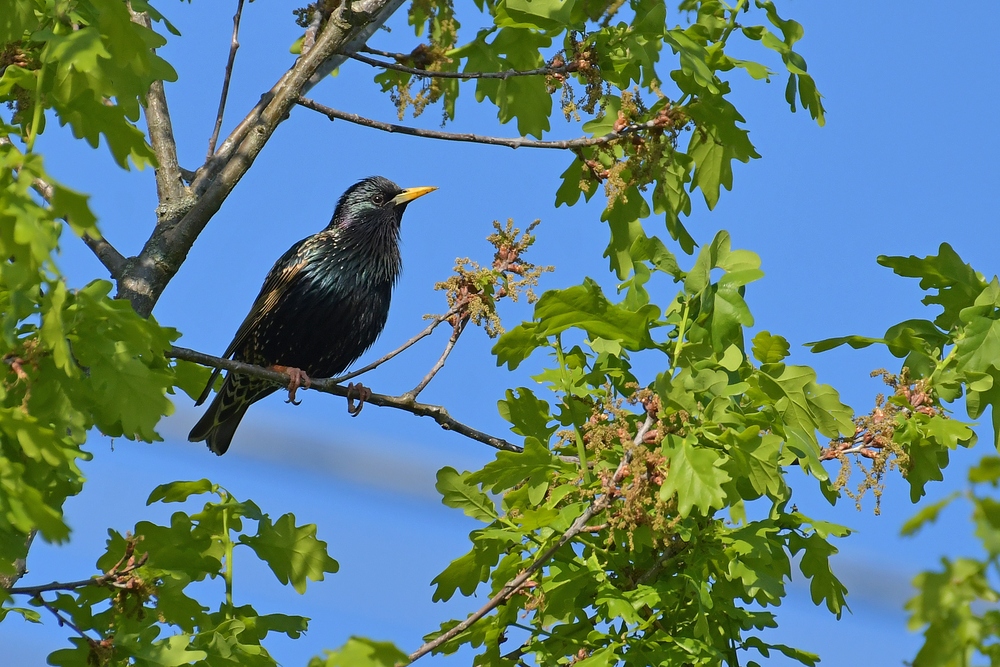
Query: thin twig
62, 619
519, 142
506, 74
435, 321
455, 333
398, 57
326, 385
233, 46
511, 587
99, 580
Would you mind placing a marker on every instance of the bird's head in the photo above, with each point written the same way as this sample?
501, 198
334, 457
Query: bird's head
374, 201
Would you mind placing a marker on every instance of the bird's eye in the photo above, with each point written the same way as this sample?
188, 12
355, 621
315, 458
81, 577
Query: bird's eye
378, 198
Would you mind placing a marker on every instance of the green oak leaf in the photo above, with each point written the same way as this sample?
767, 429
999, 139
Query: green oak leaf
292, 552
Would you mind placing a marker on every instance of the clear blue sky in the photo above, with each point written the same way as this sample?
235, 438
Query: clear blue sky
906, 161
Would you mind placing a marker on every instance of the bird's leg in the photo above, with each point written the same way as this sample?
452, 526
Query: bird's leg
296, 378
360, 392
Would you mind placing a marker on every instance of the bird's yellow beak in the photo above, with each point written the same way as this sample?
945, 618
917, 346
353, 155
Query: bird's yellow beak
410, 194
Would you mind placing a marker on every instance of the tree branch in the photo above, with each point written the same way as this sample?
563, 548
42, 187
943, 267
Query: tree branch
169, 185
63, 620
377, 13
519, 142
109, 577
233, 46
329, 386
506, 74
176, 231
435, 321
108, 255
20, 565
511, 587
457, 330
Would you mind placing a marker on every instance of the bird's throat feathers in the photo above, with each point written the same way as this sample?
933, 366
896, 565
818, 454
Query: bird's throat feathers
362, 248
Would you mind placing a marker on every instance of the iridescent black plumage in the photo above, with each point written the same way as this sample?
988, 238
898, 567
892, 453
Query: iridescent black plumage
322, 304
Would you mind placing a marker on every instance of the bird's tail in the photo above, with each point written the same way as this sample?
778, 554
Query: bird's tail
218, 425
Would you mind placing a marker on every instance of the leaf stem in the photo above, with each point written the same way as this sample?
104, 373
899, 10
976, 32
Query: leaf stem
228, 573
36, 115
581, 449
680, 338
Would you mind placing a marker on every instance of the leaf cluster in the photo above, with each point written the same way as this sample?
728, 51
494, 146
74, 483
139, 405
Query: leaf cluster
151, 616
615, 52
669, 568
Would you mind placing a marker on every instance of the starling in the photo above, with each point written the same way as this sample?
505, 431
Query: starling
322, 305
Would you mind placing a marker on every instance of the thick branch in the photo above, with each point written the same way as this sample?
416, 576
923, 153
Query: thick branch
377, 14
506, 74
167, 248
329, 386
519, 142
233, 46
108, 255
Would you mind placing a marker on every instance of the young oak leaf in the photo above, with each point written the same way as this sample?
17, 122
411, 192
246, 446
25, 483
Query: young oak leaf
695, 476
292, 552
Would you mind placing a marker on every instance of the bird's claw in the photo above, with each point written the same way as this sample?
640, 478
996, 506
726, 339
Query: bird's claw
360, 392
296, 378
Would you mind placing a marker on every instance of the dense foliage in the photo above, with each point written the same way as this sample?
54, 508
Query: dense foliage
642, 513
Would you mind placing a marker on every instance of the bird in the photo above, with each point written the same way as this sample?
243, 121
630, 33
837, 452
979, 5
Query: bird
322, 305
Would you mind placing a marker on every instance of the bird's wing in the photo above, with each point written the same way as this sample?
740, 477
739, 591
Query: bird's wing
282, 275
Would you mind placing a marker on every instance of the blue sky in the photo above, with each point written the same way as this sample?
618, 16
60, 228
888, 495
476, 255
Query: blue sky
905, 162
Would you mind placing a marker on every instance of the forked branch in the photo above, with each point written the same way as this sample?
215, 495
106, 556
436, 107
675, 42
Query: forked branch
435, 321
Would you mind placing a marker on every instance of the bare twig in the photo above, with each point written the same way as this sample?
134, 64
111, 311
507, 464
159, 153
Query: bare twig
439, 364
511, 587
233, 46
435, 321
519, 142
108, 578
327, 385
62, 619
506, 74
398, 57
